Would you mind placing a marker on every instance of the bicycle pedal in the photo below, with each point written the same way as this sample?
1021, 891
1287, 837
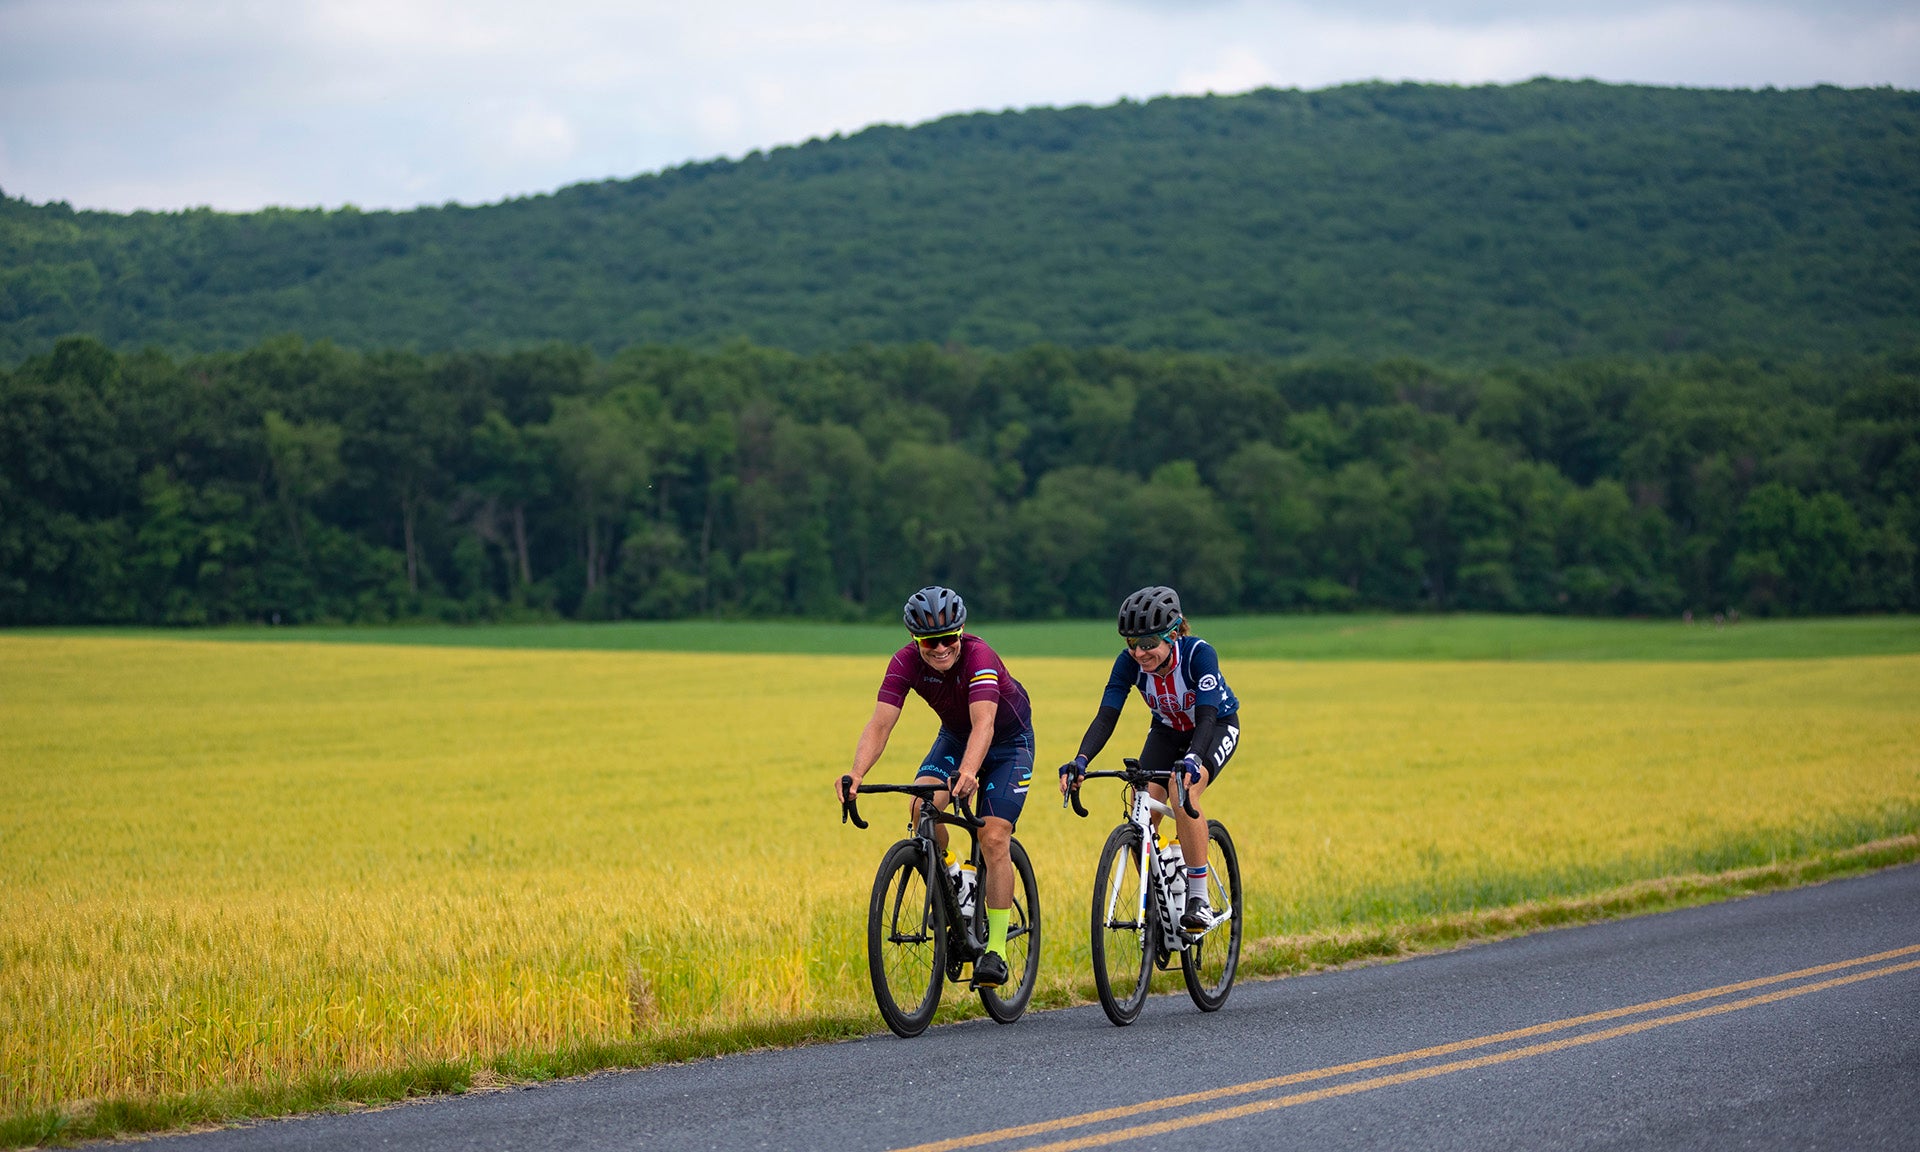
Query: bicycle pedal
1215, 918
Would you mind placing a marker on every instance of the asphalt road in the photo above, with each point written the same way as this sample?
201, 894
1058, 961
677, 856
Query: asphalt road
1788, 1021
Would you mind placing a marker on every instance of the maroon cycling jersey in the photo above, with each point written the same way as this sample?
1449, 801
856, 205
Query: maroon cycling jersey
977, 675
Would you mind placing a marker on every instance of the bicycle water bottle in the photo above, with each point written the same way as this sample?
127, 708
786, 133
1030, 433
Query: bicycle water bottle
966, 883
1174, 867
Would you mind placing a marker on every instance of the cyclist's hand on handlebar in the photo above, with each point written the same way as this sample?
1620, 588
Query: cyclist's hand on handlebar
1190, 769
965, 784
1071, 773
845, 785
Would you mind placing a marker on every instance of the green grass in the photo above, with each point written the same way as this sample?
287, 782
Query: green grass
1359, 637
1372, 943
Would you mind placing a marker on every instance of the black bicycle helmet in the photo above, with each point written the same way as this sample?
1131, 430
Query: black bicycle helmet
1150, 611
934, 610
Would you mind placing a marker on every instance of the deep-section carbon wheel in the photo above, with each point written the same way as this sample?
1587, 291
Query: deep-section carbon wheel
1124, 919
1008, 1001
1209, 964
906, 940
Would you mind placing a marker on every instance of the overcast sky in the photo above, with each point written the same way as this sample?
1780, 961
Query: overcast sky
238, 104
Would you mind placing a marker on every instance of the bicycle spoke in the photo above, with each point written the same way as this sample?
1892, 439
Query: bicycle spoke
1210, 963
905, 946
1122, 950
1006, 1003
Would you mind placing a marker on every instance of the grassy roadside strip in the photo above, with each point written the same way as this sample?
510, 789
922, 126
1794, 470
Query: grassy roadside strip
1295, 955
1269, 957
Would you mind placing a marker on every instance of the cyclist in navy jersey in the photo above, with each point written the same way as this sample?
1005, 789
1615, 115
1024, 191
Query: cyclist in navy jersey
984, 749
1195, 727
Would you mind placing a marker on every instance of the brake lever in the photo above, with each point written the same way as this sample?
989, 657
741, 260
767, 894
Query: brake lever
848, 806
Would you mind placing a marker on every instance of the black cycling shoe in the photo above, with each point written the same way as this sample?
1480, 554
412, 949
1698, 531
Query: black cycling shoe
1198, 917
990, 971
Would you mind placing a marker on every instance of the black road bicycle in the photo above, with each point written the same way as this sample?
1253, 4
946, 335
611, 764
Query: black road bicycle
917, 936
1136, 919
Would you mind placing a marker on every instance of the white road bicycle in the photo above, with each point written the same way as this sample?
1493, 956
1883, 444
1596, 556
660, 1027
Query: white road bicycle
1136, 918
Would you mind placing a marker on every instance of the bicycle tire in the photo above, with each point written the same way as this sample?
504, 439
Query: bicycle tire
906, 939
1123, 938
1023, 944
1209, 964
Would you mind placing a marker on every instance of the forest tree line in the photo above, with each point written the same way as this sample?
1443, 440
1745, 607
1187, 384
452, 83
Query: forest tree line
298, 482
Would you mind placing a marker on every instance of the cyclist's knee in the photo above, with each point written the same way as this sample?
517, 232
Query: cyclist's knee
1199, 813
996, 836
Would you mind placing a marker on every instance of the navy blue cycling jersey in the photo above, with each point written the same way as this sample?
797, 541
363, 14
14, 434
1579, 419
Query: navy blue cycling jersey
1191, 678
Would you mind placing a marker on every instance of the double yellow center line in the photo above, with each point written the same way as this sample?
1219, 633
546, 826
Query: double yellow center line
1892, 961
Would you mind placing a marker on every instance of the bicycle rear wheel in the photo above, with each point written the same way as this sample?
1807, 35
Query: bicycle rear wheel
1210, 963
1008, 1001
906, 939
1125, 920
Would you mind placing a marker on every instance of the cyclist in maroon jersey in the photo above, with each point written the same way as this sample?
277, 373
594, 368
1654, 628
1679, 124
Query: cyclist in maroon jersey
984, 750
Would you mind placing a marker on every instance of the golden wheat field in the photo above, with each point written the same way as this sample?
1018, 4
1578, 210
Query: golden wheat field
230, 864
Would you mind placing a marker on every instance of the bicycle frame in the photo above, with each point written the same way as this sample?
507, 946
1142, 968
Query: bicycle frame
970, 940
1141, 810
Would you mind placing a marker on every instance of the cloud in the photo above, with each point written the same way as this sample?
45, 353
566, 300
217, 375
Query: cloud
1469, 13
534, 134
240, 103
1234, 70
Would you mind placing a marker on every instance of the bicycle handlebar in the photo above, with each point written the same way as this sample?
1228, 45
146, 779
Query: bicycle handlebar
850, 807
1134, 775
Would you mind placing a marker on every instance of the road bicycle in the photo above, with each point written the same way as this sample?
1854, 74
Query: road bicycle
1136, 916
918, 934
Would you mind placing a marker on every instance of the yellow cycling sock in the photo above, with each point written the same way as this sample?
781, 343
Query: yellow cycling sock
997, 929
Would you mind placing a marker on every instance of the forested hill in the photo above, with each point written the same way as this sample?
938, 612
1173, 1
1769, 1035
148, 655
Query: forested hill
1539, 221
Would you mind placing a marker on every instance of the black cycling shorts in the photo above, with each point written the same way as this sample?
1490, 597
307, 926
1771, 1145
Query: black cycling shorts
1164, 746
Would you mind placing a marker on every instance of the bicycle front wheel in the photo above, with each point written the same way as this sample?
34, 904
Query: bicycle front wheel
1124, 919
906, 939
1008, 1001
1210, 963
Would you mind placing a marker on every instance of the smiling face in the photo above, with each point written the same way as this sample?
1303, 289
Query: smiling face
944, 653
1150, 652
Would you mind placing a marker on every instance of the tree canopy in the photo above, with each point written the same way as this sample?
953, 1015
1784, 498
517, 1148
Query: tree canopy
1466, 226
296, 481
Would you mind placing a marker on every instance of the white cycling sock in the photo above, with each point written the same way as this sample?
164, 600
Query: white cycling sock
1197, 882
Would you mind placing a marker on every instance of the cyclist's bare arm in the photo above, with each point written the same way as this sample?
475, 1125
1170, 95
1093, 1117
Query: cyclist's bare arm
980, 714
873, 741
